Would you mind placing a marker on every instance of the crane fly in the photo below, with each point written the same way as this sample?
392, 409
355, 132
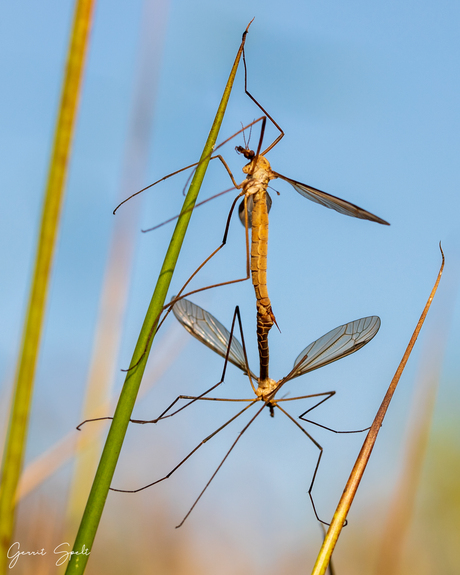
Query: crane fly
334, 345
253, 213
254, 188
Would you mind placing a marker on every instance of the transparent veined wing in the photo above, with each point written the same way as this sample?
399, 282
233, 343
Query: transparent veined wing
207, 329
333, 202
250, 204
334, 345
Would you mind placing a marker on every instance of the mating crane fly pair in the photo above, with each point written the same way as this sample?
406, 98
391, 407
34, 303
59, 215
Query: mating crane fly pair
336, 344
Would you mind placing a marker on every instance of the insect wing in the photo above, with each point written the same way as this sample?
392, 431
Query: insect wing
334, 345
250, 204
333, 202
207, 329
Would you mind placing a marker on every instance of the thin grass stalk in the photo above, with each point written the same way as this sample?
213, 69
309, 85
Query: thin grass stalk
19, 418
357, 472
99, 491
402, 504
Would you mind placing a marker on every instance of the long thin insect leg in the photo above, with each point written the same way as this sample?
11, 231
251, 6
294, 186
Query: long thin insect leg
273, 144
154, 184
189, 455
188, 210
317, 463
194, 398
248, 371
235, 185
215, 398
196, 164
156, 326
239, 132
178, 171
221, 463
80, 425
236, 314
329, 394
163, 415
220, 157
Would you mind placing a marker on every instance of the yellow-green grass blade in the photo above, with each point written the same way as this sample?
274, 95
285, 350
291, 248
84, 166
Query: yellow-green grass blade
31, 337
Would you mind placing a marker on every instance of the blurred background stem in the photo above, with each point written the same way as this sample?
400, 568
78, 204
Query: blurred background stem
25, 372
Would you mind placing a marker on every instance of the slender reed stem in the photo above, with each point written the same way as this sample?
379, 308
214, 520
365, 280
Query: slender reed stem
114, 442
357, 473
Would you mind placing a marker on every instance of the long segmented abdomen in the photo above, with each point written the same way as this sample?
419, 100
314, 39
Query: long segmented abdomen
259, 246
255, 186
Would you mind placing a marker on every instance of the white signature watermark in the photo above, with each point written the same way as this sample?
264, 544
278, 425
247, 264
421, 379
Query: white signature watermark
14, 552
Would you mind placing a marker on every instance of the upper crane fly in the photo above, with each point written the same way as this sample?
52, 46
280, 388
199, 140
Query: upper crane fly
253, 213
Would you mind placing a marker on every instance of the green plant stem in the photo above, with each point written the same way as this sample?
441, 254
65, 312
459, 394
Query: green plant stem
19, 418
113, 445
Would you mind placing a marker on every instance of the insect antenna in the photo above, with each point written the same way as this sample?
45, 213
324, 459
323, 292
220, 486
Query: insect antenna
246, 142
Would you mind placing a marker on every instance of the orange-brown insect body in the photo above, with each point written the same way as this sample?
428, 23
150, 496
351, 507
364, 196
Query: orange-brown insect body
259, 175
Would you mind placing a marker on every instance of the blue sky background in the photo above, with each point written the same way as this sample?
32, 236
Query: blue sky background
367, 94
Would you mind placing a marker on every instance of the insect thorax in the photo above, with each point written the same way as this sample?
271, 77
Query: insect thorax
259, 170
266, 387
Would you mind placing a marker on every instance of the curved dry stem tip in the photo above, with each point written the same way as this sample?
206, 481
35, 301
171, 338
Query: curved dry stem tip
442, 253
247, 27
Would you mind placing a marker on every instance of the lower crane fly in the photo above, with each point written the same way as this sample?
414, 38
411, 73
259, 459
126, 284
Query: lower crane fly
336, 344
